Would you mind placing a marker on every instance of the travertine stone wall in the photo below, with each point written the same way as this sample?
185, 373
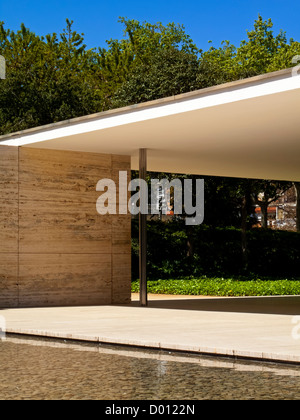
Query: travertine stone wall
9, 208
57, 250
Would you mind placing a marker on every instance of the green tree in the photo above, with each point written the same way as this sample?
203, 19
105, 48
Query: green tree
257, 55
169, 72
132, 65
260, 53
297, 188
22, 52
217, 65
48, 79
267, 192
146, 39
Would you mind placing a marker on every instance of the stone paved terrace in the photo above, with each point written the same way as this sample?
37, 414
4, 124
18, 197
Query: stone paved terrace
264, 328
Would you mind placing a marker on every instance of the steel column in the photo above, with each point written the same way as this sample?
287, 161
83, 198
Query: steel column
143, 230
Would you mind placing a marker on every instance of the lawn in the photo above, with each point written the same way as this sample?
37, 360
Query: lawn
222, 287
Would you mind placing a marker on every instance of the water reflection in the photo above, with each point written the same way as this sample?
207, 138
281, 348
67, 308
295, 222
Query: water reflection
44, 369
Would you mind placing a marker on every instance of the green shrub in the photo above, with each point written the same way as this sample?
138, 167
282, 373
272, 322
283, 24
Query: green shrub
222, 287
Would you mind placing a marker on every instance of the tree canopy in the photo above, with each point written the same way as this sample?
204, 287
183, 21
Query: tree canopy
56, 77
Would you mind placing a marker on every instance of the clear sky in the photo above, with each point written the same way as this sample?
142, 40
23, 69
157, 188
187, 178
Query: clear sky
213, 20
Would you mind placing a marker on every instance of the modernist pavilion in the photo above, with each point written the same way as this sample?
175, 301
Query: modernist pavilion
56, 250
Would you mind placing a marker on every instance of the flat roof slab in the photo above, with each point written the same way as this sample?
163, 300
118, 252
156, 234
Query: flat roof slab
248, 129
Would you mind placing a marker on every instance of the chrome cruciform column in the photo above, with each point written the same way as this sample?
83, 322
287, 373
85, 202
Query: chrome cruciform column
143, 230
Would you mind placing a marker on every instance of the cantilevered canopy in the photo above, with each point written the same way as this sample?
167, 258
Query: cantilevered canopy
249, 128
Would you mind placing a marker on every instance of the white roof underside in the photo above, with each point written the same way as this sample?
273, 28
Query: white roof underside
248, 129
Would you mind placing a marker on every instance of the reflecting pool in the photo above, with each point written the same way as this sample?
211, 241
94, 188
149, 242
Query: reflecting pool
49, 370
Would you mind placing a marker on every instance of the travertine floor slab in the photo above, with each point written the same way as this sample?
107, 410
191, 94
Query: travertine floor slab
218, 326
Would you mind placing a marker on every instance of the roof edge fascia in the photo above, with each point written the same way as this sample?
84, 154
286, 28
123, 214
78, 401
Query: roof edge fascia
226, 87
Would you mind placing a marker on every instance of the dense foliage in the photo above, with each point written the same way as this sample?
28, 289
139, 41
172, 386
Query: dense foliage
216, 252
56, 77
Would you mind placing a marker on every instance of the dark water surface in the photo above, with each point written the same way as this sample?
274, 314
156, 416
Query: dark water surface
38, 369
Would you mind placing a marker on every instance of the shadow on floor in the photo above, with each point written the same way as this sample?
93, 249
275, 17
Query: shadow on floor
279, 305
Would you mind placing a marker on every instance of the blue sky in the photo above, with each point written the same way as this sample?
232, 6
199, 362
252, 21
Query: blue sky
213, 20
